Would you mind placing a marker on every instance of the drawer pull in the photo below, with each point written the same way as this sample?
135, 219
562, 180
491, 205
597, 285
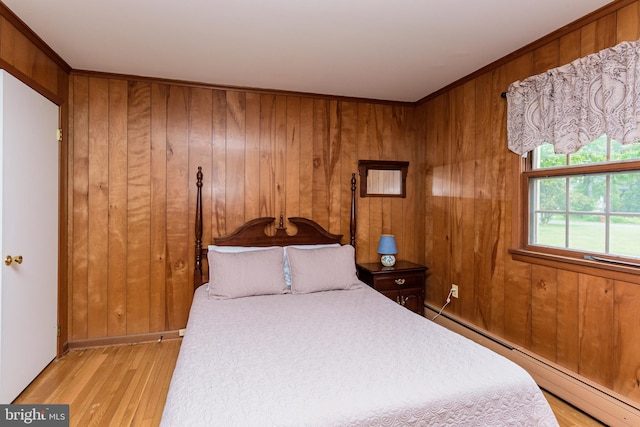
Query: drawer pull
399, 281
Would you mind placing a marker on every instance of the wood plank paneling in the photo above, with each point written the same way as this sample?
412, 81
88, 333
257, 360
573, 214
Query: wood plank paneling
306, 157
390, 221
158, 202
349, 162
98, 199
321, 162
292, 157
628, 23
412, 211
243, 159
517, 287
439, 283
498, 217
80, 222
482, 246
569, 47
595, 329
178, 221
292, 162
267, 164
375, 141
467, 217
138, 207
567, 347
117, 235
199, 153
627, 346
280, 135
218, 164
252, 171
364, 234
455, 158
333, 167
544, 296
598, 35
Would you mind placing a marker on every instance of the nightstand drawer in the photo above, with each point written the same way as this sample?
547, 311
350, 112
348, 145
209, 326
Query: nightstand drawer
398, 282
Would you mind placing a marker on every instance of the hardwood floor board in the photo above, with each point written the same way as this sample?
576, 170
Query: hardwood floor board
150, 395
143, 390
111, 412
567, 415
127, 385
80, 378
163, 383
95, 399
160, 386
131, 398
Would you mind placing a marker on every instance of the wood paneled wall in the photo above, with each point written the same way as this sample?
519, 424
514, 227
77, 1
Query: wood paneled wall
586, 321
136, 146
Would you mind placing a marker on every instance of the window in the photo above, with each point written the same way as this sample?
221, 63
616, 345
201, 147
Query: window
587, 202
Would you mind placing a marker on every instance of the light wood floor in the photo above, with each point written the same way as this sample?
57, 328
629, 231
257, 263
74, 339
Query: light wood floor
127, 386
122, 385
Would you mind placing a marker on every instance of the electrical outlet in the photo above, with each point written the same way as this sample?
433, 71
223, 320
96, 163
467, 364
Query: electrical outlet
181, 332
454, 290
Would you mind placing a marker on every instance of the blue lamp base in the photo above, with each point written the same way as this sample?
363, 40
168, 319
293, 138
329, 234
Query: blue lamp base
388, 260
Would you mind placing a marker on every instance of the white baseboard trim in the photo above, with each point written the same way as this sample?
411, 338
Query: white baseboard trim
601, 403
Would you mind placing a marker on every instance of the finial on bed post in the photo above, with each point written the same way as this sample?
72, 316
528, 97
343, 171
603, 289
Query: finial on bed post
197, 272
352, 228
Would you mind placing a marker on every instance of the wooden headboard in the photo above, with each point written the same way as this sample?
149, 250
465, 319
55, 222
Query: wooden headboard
253, 232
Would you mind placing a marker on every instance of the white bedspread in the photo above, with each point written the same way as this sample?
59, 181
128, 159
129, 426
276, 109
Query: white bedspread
339, 358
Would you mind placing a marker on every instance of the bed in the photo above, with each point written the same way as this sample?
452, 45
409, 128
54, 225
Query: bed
324, 349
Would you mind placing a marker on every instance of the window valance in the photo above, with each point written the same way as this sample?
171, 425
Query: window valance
572, 105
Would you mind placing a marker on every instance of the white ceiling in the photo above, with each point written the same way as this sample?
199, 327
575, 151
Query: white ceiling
400, 50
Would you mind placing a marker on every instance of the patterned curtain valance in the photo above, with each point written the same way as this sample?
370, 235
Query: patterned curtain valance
572, 105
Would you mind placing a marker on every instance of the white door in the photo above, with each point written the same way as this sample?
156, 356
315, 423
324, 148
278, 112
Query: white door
28, 228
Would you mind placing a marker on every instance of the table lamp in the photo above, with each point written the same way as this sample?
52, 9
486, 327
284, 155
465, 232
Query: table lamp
387, 248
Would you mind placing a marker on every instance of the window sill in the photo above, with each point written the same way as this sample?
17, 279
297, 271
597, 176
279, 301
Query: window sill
595, 268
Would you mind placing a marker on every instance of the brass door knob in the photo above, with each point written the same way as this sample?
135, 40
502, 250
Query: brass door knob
8, 260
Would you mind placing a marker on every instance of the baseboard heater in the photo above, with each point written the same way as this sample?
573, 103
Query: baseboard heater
601, 403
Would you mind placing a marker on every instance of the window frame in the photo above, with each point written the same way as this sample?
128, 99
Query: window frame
554, 256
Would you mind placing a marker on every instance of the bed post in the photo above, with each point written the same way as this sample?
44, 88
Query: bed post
352, 228
197, 272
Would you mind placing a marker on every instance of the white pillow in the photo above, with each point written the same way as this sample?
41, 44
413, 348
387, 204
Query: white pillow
287, 270
322, 269
236, 249
246, 273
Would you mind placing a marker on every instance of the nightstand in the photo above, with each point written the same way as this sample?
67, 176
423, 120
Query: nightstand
403, 283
